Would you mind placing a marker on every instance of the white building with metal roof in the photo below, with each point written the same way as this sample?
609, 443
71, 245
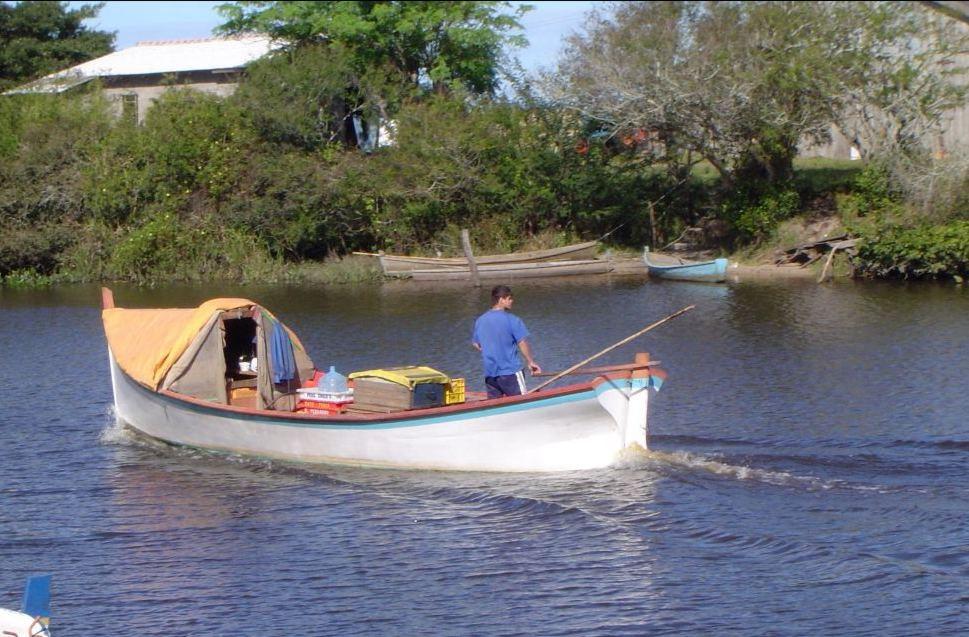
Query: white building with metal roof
136, 76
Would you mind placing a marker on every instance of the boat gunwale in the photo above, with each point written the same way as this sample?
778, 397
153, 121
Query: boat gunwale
676, 266
471, 408
498, 267
535, 269
545, 254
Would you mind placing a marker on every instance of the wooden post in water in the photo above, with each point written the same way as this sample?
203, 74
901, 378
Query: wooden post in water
642, 358
466, 244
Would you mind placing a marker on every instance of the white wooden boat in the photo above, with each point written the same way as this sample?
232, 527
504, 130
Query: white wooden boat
33, 618
395, 264
166, 393
515, 270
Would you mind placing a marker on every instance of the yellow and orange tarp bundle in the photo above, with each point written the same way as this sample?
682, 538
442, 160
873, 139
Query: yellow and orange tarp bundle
406, 376
147, 342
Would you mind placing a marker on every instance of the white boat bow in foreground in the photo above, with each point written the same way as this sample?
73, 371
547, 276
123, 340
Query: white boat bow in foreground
33, 618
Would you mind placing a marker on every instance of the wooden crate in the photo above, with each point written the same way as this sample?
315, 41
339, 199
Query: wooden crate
379, 395
454, 392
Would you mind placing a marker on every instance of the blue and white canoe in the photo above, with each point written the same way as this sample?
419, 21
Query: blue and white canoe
33, 618
169, 376
664, 266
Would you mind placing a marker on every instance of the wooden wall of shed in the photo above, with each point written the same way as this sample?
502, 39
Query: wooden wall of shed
954, 136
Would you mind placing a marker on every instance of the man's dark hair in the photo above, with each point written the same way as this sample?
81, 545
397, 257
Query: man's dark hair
499, 292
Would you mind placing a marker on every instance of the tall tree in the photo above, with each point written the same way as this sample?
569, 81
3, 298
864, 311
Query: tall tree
38, 38
430, 43
741, 84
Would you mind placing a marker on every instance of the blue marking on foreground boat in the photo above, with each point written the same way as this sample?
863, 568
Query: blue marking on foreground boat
37, 597
270, 418
654, 381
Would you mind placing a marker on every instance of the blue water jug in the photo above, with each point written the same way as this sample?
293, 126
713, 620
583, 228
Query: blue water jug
333, 382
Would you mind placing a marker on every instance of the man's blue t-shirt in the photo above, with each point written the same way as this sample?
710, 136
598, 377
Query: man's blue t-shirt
498, 332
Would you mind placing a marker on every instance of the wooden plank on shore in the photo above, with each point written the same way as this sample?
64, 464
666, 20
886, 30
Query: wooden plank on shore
815, 244
469, 255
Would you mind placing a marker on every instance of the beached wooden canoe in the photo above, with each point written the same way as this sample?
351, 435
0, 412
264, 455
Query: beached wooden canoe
515, 270
171, 382
663, 266
394, 263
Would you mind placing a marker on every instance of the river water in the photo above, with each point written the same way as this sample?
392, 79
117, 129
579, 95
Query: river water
808, 475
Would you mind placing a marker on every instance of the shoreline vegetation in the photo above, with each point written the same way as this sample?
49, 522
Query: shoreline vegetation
280, 181
830, 186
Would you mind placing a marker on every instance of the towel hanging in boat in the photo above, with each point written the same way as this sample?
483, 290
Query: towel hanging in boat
280, 351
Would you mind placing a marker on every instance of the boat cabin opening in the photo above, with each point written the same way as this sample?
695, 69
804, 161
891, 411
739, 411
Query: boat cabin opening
240, 345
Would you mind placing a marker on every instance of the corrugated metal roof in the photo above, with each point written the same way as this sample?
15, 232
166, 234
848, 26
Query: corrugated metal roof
51, 84
958, 9
153, 57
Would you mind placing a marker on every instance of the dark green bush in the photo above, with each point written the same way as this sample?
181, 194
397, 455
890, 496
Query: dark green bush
35, 249
302, 206
755, 214
165, 248
874, 193
507, 173
190, 143
913, 253
303, 97
43, 145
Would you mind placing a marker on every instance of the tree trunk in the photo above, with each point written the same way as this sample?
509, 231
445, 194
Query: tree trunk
726, 178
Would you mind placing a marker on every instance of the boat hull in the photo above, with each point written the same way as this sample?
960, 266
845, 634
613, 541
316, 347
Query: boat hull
714, 271
584, 428
392, 263
515, 270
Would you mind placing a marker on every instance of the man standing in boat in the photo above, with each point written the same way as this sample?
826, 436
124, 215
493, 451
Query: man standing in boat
499, 335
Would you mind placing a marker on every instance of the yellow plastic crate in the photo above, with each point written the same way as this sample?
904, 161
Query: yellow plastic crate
454, 391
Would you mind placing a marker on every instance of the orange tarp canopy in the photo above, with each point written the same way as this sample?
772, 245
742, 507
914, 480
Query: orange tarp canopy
146, 343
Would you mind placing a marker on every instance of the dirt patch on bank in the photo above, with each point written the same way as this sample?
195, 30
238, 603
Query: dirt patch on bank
738, 272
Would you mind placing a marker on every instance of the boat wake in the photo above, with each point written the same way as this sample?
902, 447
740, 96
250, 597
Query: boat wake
115, 431
661, 460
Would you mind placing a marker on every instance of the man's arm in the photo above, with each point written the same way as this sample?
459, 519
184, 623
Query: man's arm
474, 337
527, 353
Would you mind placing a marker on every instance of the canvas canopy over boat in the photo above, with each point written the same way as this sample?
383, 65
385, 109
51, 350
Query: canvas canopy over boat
395, 264
664, 266
176, 376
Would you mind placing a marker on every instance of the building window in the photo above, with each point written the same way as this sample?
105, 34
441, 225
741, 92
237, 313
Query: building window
129, 107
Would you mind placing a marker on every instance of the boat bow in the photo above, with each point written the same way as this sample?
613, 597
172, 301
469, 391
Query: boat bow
627, 401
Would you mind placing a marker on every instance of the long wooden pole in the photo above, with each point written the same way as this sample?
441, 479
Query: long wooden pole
827, 264
610, 348
605, 369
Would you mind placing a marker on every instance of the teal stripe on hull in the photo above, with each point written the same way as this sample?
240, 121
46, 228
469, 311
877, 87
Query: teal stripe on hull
392, 424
